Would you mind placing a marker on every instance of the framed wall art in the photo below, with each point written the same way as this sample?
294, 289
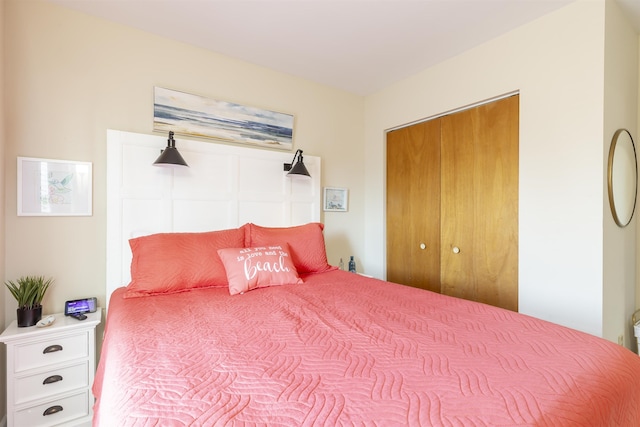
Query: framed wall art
336, 199
49, 187
198, 116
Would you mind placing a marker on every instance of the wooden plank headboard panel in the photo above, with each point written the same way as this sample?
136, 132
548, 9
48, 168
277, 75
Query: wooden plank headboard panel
224, 187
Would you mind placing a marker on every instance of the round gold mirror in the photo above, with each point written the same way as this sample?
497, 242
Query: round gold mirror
622, 177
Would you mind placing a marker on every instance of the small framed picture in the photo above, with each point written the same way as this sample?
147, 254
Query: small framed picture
54, 187
336, 199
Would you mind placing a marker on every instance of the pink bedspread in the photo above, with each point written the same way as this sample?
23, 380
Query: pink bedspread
342, 349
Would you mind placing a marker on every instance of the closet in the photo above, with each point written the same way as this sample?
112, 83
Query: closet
452, 204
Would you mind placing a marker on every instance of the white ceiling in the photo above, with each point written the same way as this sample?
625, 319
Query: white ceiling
359, 46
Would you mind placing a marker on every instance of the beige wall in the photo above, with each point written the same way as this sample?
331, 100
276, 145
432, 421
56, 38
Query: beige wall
620, 111
557, 65
70, 77
2, 204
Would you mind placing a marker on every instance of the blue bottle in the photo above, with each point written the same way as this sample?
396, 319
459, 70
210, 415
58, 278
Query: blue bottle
352, 265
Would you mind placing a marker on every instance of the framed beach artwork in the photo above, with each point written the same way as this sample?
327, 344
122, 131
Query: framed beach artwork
54, 187
198, 116
336, 199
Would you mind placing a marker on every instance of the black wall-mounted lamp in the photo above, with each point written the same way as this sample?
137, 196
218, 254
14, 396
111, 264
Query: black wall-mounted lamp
297, 168
170, 155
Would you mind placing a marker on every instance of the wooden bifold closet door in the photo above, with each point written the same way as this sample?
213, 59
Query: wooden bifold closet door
413, 206
452, 204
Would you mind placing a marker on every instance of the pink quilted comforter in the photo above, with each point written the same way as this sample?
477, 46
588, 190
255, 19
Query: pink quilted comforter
342, 349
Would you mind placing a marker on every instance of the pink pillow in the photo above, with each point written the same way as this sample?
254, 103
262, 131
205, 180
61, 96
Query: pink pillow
166, 263
252, 268
306, 243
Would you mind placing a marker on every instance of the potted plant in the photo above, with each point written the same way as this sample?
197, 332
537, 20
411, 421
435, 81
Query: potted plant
29, 292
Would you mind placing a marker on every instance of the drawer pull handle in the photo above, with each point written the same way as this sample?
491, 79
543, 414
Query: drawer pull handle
52, 410
52, 349
52, 379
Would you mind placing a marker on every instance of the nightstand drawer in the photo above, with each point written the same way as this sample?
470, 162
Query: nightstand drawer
51, 382
54, 412
53, 350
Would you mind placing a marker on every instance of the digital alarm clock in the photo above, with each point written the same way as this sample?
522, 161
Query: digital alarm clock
80, 306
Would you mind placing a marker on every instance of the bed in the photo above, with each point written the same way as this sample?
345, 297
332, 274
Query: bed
251, 326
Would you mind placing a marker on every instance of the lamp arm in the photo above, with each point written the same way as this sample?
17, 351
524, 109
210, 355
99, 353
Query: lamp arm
298, 154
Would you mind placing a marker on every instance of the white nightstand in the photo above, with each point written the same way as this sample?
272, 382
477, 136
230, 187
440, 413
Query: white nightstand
50, 372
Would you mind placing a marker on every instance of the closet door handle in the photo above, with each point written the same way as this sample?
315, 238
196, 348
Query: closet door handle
455, 250
423, 246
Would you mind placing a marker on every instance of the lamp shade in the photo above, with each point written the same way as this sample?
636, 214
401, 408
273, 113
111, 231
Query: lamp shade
297, 169
170, 155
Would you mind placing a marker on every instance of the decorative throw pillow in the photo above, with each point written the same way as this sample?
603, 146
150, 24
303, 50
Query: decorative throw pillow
306, 242
175, 262
258, 267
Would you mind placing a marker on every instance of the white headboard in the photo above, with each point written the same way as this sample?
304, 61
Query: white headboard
225, 186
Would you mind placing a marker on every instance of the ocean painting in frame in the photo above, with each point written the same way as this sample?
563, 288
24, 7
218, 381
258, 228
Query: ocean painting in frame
197, 116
